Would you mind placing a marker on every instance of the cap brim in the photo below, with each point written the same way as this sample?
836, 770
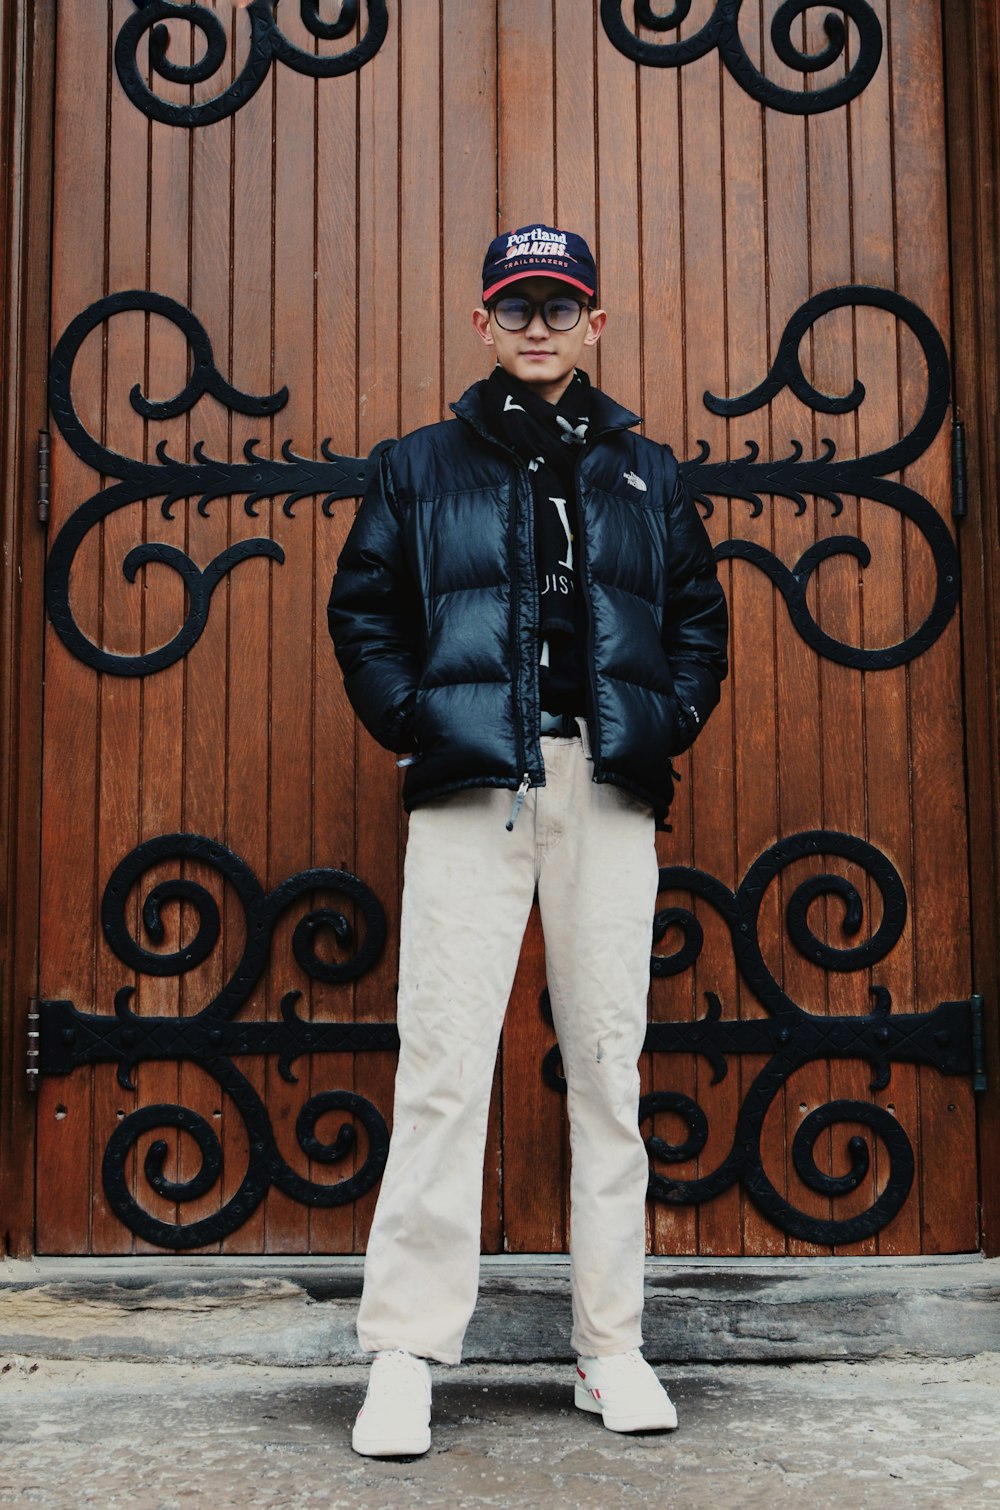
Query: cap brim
536, 272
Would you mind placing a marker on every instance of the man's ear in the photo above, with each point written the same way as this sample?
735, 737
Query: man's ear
596, 321
481, 321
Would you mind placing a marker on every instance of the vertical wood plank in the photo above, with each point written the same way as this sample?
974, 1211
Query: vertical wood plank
468, 191
673, 1229
68, 926
798, 747
744, 169
337, 316
248, 678
204, 715
526, 74
711, 764
885, 692
291, 648
940, 874
27, 67
381, 298
619, 356
972, 53
840, 727
163, 768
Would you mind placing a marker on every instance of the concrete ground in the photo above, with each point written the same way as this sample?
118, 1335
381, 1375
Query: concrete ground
181, 1383
179, 1436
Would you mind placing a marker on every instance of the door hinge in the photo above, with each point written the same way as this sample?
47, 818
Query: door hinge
44, 455
959, 495
34, 1034
978, 1043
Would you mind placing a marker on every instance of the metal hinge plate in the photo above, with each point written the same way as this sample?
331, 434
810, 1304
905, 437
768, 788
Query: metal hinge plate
978, 1043
31, 1068
44, 474
959, 494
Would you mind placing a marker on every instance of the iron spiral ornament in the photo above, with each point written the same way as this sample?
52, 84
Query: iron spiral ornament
721, 34
204, 478
788, 1037
830, 477
330, 477
267, 45
217, 1036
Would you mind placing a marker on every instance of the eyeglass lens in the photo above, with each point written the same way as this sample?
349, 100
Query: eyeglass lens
517, 313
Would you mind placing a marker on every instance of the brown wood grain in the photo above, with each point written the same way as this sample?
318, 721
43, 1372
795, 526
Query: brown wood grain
68, 925
204, 716
535, 1140
526, 114
329, 236
26, 84
799, 744
711, 766
160, 258
248, 679
756, 224
942, 963
290, 808
337, 317
375, 796
972, 53
887, 727
673, 1229
840, 726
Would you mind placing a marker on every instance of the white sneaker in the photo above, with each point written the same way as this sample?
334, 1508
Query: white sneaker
395, 1420
625, 1391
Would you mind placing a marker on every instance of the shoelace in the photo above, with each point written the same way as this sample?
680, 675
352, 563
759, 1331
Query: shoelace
618, 1370
626, 1363
397, 1370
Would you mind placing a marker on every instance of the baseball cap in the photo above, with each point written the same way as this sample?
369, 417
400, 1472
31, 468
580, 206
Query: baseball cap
538, 251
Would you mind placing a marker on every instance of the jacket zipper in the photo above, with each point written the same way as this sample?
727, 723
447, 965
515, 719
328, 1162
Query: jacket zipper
595, 733
515, 630
593, 722
517, 471
518, 802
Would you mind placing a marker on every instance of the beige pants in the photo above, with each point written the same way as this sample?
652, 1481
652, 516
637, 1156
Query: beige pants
468, 890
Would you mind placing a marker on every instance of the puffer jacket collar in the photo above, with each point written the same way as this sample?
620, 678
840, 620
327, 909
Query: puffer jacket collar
606, 415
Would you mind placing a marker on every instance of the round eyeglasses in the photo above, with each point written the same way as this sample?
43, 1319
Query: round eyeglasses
515, 312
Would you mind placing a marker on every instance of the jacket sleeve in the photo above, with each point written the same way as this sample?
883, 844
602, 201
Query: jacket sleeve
374, 617
696, 619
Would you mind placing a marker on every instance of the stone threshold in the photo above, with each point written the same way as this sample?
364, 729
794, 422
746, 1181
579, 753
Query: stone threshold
298, 1312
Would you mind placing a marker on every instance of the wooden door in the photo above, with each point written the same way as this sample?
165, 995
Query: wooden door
268, 225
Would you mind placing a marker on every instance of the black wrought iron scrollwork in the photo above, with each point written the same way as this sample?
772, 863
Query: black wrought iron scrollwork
789, 1037
267, 44
721, 33
741, 910
214, 1037
206, 478
293, 477
830, 477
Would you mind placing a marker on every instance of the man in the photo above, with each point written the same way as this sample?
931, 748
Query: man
527, 608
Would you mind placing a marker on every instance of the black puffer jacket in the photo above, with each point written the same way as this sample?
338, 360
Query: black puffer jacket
434, 608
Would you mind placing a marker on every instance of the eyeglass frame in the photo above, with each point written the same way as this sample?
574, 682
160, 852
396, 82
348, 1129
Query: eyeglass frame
537, 307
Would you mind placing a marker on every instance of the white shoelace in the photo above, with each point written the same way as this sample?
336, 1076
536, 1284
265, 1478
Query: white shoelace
397, 1370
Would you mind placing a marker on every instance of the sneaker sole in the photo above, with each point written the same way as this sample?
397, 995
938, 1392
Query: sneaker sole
400, 1447
584, 1400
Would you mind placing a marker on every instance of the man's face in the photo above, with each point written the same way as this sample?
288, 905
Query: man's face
544, 359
